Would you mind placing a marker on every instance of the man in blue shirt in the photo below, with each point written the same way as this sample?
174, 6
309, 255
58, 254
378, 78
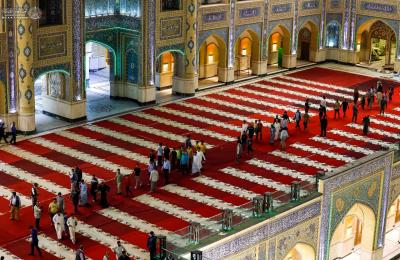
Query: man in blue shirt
184, 163
152, 245
13, 134
34, 241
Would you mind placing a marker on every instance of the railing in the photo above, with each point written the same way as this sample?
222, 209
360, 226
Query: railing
258, 209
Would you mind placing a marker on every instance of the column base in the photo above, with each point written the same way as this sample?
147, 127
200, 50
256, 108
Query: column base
259, 67
67, 111
226, 74
347, 56
397, 65
117, 89
26, 124
143, 95
289, 61
183, 86
317, 55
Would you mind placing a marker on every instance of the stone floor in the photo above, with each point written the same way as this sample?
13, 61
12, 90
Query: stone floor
392, 247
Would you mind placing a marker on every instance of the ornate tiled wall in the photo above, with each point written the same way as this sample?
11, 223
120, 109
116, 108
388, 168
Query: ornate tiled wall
395, 183
106, 21
279, 233
366, 182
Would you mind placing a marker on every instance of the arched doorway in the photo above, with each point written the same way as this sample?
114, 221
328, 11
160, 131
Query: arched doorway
165, 70
354, 234
301, 251
307, 42
212, 61
278, 46
51, 91
393, 216
169, 64
100, 70
247, 53
392, 236
376, 45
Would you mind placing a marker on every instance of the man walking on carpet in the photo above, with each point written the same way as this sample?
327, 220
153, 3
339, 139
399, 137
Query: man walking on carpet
13, 139
34, 194
324, 125
355, 113
118, 179
72, 223
366, 123
15, 205
119, 249
152, 245
59, 224
34, 241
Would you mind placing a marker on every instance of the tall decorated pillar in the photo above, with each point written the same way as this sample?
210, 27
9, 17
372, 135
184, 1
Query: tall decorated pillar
187, 84
78, 51
146, 93
24, 64
289, 60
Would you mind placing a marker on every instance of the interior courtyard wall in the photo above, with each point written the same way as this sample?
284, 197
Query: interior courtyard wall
366, 183
272, 238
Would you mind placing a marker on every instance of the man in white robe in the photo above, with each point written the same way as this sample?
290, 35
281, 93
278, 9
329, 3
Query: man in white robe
72, 223
58, 221
197, 162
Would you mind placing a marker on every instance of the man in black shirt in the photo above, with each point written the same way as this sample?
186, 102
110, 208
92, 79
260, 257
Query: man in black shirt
34, 194
166, 152
137, 172
345, 105
2, 132
94, 184
250, 131
78, 173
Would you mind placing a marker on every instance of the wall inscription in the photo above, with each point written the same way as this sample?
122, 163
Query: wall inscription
378, 7
52, 45
282, 8
310, 5
249, 12
171, 28
335, 4
214, 17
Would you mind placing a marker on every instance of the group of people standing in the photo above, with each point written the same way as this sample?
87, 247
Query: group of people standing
4, 133
64, 224
165, 160
248, 132
80, 190
162, 162
279, 127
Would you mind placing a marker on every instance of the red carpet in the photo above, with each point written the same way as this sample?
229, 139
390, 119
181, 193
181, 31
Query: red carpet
223, 182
